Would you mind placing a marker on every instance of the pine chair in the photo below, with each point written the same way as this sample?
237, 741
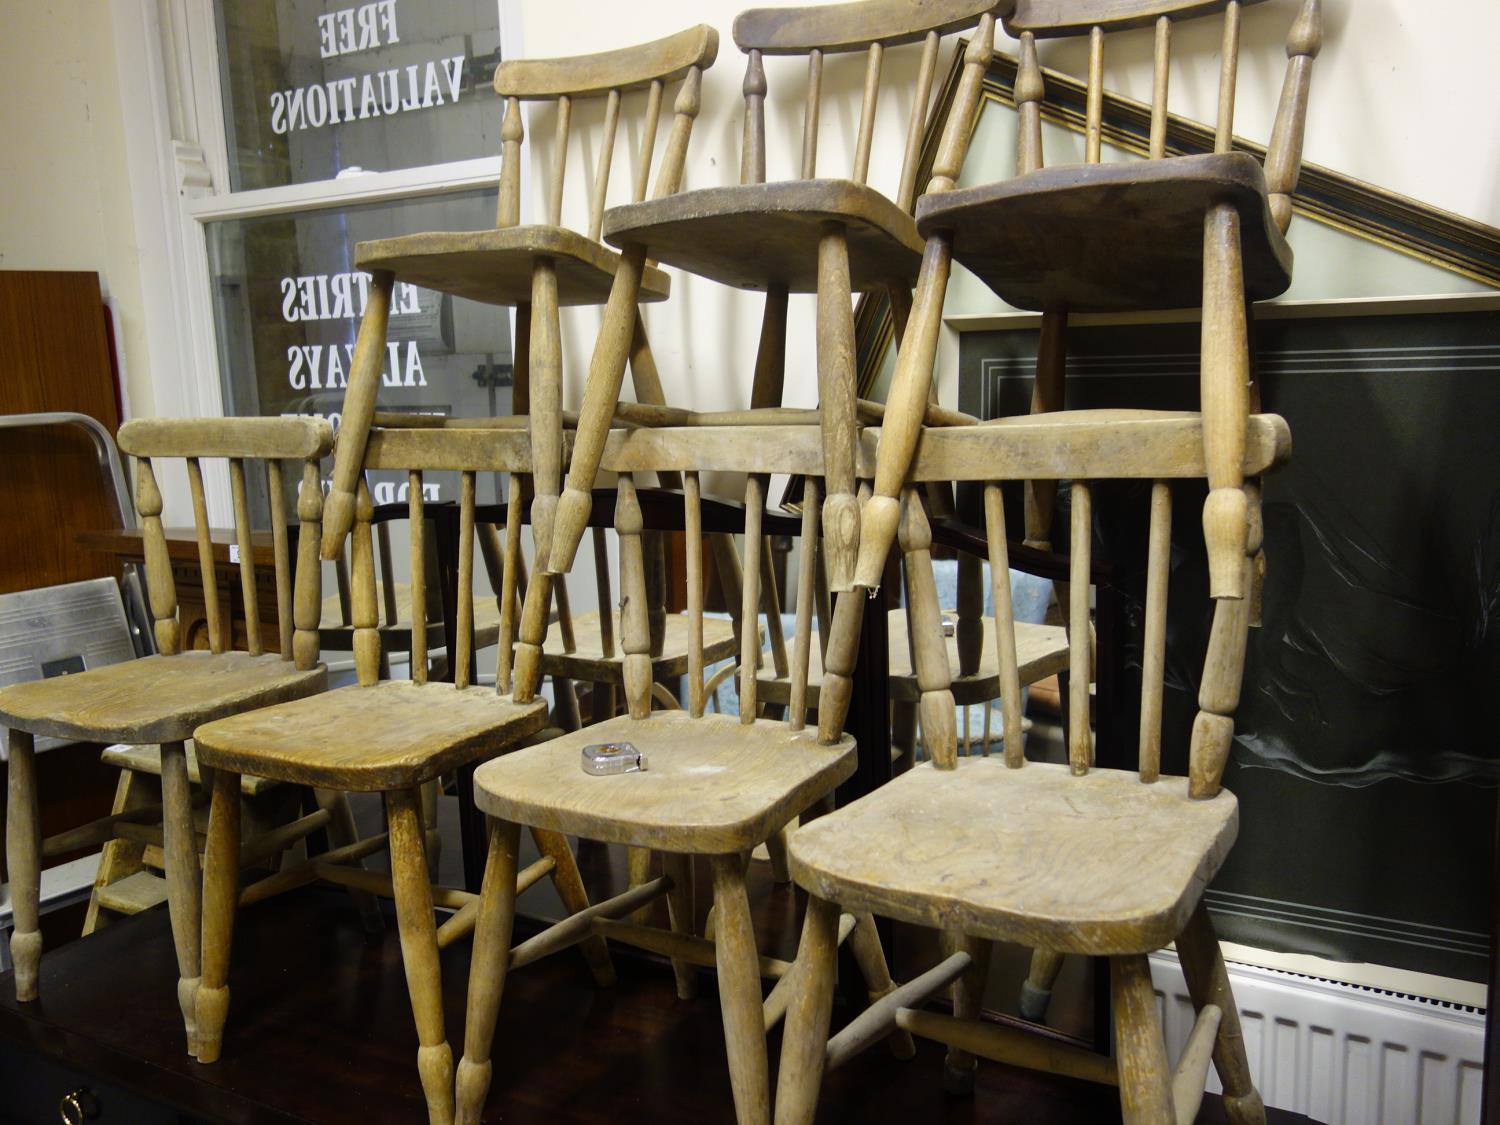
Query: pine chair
715, 785
160, 699
535, 267
1063, 857
831, 237
1170, 232
381, 736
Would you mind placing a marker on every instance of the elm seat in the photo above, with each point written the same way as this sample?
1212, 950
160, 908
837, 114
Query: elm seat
713, 785
1041, 651
393, 734
754, 236
155, 699
1110, 237
588, 662
495, 266
1099, 864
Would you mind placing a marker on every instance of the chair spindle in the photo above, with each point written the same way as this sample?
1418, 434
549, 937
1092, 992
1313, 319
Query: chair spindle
417, 518
685, 112
755, 502
461, 644
867, 113
206, 569
512, 133
916, 127
366, 633
753, 146
1154, 638
1161, 81
606, 158
605, 596
692, 512
1093, 137
925, 627
807, 563
1229, 65
510, 576
247, 554
1284, 158
1005, 626
636, 641
281, 554
1080, 656
307, 611
161, 591
648, 139
387, 585
811, 112
771, 596
1029, 92
559, 159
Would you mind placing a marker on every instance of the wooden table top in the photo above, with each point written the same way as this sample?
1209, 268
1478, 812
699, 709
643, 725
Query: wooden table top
182, 543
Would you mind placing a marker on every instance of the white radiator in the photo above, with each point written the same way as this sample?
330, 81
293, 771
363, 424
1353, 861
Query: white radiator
1344, 1054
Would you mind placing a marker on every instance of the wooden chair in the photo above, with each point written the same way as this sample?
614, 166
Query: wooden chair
381, 736
1063, 857
715, 786
831, 237
160, 699
535, 267
1169, 232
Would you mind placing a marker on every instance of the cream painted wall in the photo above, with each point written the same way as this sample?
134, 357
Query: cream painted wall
66, 202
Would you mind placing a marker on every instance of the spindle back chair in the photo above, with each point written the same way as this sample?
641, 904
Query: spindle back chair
1175, 231
832, 237
160, 699
389, 737
536, 267
1069, 858
715, 785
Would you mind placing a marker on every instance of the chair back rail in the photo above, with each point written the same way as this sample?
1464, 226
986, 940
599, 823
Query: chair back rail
236, 440
1081, 449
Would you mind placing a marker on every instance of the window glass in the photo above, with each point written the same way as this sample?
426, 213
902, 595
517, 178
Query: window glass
315, 88
287, 306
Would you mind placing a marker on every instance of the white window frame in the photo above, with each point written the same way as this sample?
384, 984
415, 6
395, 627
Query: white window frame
177, 158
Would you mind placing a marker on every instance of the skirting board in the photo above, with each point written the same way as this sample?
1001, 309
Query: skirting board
1340, 1053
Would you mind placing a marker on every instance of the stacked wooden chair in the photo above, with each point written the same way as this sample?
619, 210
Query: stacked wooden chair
536, 268
381, 736
1065, 857
714, 785
159, 700
1170, 232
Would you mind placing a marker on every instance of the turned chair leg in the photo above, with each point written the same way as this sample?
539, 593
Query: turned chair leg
738, 963
221, 892
776, 849
1140, 1051
23, 857
836, 405
869, 955
1208, 983
1225, 393
959, 1067
490, 963
804, 1044
1036, 989
569, 885
431, 836
637, 872
180, 848
680, 911
419, 951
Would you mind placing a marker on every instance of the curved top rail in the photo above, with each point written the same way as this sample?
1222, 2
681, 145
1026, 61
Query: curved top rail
854, 26
627, 68
1047, 19
302, 438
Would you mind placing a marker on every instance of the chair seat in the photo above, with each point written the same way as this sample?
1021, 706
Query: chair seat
1100, 864
757, 235
712, 785
1041, 651
495, 266
587, 660
334, 634
156, 698
147, 759
390, 735
1110, 237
